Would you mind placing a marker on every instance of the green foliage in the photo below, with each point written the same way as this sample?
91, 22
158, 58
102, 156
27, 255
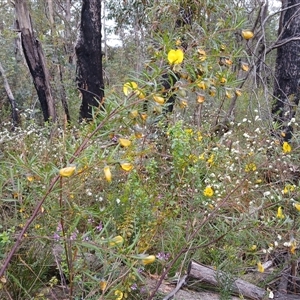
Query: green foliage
197, 184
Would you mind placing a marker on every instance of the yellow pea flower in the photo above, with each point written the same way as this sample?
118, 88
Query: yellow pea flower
212, 91
124, 142
280, 214
208, 191
297, 206
293, 247
119, 295
260, 267
247, 34
67, 171
238, 92
200, 98
149, 259
107, 173
128, 87
244, 67
175, 56
286, 147
134, 114
126, 166
202, 85
103, 285
183, 104
30, 178
117, 240
158, 99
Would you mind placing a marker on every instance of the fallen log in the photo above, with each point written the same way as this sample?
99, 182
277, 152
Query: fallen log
210, 276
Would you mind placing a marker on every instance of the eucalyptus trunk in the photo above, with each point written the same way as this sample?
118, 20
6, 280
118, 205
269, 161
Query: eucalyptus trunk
89, 59
35, 59
287, 72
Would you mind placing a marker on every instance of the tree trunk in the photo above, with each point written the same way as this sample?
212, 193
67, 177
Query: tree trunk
35, 60
287, 72
14, 113
89, 59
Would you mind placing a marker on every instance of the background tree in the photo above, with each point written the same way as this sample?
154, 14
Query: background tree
287, 72
35, 59
89, 58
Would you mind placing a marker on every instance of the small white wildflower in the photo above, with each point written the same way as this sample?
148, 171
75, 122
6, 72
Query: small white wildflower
266, 194
276, 244
245, 120
118, 201
279, 237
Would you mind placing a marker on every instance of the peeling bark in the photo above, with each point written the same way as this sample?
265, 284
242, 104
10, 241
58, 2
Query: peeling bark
35, 60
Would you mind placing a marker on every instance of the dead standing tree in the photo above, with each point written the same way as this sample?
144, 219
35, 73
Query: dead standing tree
35, 59
287, 72
89, 59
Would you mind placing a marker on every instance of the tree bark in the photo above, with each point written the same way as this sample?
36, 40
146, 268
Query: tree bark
89, 59
287, 72
35, 60
14, 113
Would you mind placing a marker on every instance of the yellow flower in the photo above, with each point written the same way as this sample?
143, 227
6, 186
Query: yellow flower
212, 91
245, 67
208, 191
247, 34
228, 94
126, 166
297, 206
175, 56
124, 142
183, 104
128, 87
250, 167
158, 99
260, 267
67, 171
288, 188
253, 247
293, 246
200, 98
117, 240
119, 295
280, 214
107, 173
210, 161
202, 85
286, 147
134, 114
223, 80
30, 178
103, 285
149, 259
199, 138
238, 92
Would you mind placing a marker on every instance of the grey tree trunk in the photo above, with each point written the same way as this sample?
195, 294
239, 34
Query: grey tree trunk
35, 60
14, 112
287, 72
89, 59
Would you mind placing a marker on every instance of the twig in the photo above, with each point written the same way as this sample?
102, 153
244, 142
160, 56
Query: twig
178, 287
